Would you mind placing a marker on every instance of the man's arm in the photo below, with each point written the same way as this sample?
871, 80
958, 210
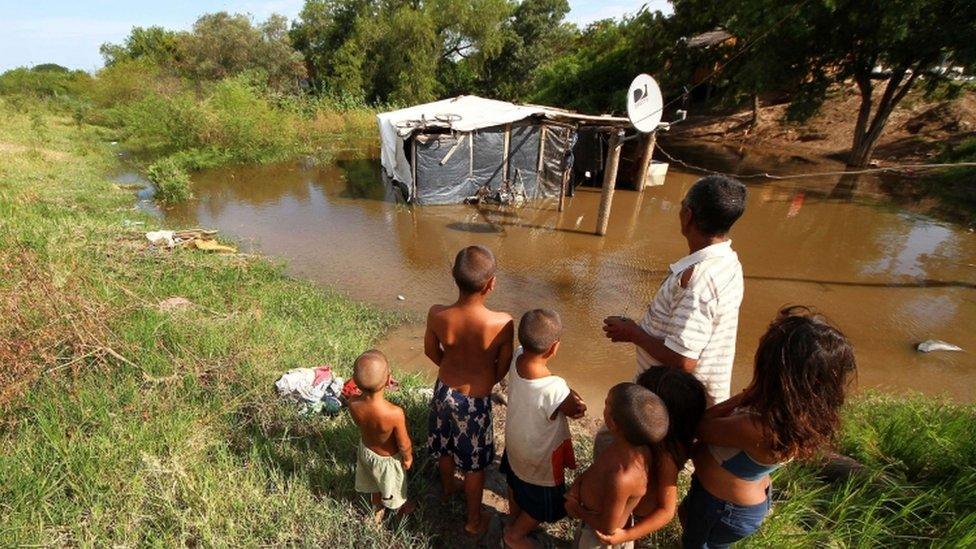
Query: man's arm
505, 351
432, 345
625, 329
403, 439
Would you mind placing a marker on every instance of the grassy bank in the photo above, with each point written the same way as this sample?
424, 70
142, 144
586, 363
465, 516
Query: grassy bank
174, 126
124, 424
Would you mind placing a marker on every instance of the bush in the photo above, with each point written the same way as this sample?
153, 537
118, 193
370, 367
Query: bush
170, 180
242, 121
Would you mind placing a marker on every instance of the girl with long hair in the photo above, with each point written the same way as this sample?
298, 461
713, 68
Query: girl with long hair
790, 410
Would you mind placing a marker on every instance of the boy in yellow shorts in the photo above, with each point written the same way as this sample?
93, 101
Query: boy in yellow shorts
384, 453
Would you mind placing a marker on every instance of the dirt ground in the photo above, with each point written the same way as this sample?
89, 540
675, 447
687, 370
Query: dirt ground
916, 131
451, 513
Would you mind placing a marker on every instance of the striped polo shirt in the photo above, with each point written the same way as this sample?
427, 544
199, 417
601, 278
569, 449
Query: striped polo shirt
701, 320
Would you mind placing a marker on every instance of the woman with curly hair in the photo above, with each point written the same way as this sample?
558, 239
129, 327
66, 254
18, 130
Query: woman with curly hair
790, 410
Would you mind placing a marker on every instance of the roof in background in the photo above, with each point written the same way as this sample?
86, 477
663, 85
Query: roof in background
711, 38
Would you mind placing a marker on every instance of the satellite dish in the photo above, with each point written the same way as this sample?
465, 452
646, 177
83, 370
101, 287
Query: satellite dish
644, 103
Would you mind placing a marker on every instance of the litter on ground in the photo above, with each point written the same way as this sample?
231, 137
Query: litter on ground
197, 238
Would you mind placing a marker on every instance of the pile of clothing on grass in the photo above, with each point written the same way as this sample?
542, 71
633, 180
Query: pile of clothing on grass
318, 390
194, 238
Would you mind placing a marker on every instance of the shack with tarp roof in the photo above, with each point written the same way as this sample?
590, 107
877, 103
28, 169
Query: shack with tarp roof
472, 149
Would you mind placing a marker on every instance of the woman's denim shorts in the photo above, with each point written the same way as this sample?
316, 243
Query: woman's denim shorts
714, 523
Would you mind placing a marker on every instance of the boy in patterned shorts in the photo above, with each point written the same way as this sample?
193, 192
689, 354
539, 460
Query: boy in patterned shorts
472, 348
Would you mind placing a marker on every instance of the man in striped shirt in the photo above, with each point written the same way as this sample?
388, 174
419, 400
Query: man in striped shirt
691, 323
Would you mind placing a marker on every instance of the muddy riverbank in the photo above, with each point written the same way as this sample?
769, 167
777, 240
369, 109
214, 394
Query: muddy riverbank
888, 277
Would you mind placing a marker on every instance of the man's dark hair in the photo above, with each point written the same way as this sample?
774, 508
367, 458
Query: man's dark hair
684, 397
539, 329
716, 203
640, 415
473, 268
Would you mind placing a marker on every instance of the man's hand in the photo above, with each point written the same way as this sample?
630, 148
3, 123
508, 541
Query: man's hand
613, 538
408, 461
619, 328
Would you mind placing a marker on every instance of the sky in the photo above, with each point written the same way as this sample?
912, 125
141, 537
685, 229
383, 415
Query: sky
69, 32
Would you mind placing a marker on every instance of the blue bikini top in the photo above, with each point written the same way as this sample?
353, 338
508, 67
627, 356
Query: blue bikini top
738, 462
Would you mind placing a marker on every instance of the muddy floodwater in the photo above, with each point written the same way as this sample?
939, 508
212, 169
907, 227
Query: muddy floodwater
888, 277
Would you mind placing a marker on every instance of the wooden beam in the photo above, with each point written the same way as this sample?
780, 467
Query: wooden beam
508, 137
646, 156
413, 166
609, 182
542, 150
563, 188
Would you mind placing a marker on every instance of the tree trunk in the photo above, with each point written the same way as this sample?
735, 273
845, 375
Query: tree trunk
863, 117
754, 123
865, 135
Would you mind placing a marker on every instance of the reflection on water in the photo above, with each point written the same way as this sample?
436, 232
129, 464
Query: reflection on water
888, 278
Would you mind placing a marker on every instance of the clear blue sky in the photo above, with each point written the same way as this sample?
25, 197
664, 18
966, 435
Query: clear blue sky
68, 32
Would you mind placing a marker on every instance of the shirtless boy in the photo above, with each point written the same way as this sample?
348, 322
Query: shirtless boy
384, 449
472, 348
605, 495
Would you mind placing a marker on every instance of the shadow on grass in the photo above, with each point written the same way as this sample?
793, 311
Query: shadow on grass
320, 452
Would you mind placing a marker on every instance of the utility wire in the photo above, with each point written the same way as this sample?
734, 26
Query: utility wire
737, 54
766, 175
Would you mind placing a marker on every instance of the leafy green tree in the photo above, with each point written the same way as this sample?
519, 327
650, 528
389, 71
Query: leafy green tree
606, 57
885, 46
154, 43
395, 50
223, 45
532, 36
220, 45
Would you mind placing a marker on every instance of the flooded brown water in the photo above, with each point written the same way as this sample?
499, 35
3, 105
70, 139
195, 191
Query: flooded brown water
889, 278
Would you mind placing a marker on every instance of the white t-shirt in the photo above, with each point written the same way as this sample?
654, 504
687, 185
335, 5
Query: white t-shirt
539, 449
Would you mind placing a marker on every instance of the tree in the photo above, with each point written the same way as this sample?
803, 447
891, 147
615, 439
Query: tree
884, 46
219, 45
531, 37
153, 43
395, 50
595, 75
222, 45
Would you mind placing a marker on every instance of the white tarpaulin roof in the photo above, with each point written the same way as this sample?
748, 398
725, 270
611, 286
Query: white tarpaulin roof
463, 113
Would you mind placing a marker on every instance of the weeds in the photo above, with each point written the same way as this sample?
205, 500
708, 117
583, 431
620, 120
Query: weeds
170, 181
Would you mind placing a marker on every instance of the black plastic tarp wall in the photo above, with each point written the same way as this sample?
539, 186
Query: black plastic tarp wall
453, 167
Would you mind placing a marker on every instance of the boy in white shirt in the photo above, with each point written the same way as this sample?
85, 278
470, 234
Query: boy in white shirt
538, 447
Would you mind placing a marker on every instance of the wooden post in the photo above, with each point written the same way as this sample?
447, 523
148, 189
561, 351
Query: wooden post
646, 157
508, 137
542, 150
609, 182
413, 167
562, 187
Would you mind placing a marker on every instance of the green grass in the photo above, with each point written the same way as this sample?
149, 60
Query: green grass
181, 441
121, 424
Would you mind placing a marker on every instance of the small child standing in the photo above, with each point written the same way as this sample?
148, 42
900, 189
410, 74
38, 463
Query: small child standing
605, 495
472, 347
384, 451
684, 396
538, 447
